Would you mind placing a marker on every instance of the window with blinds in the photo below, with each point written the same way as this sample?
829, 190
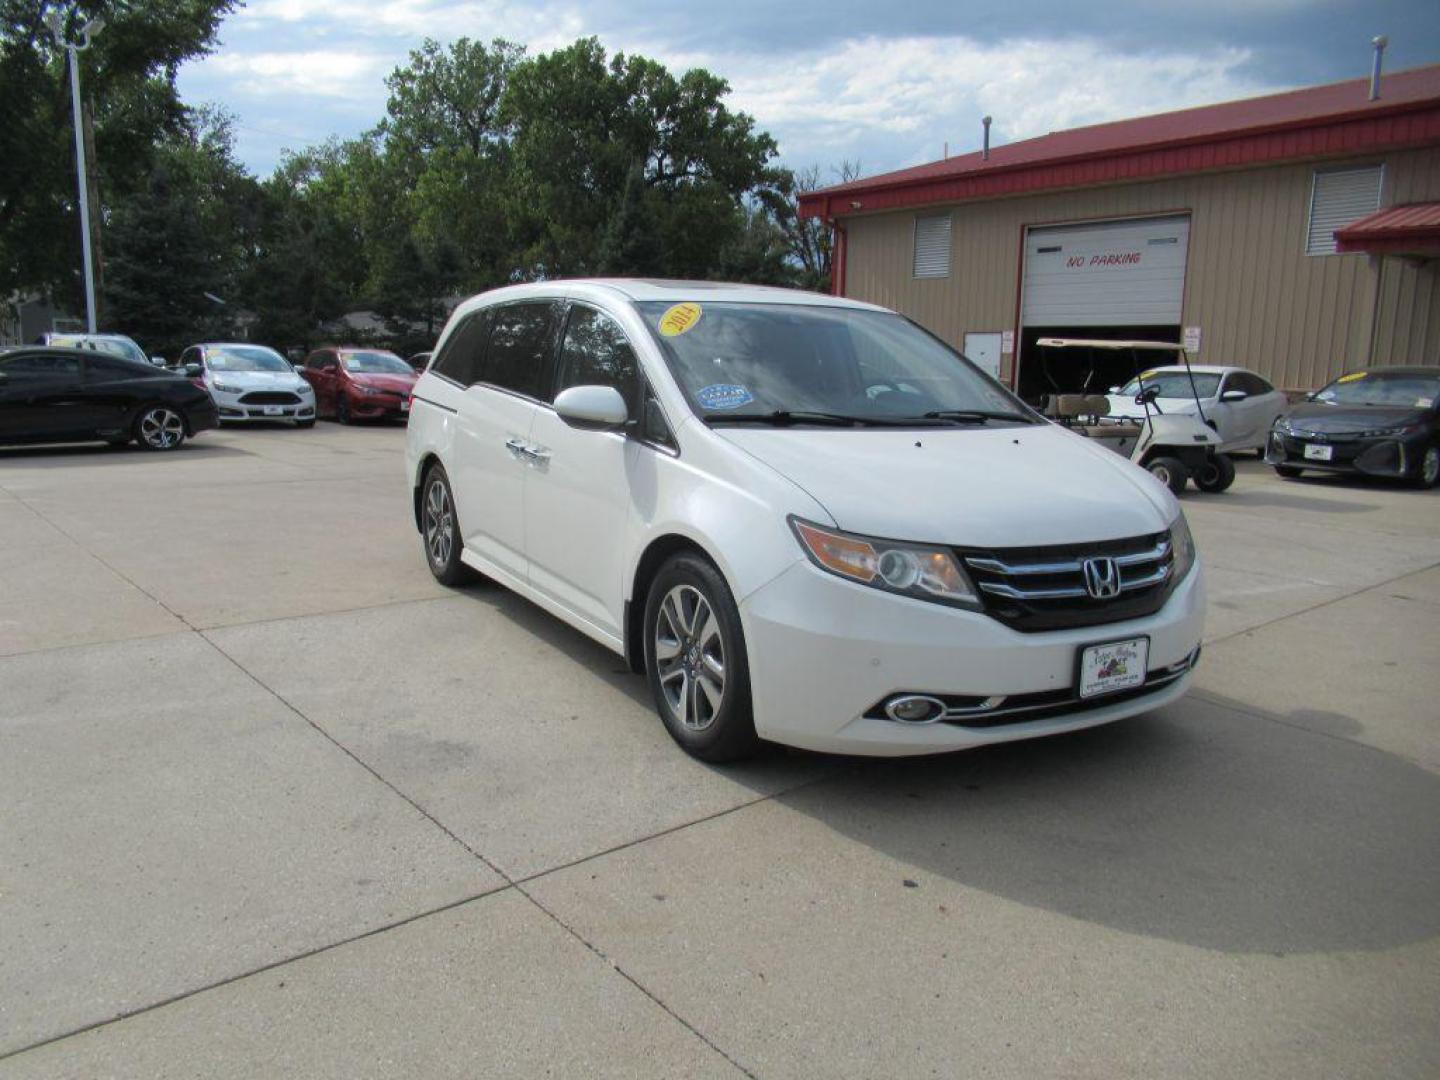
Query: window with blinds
932, 246
1337, 198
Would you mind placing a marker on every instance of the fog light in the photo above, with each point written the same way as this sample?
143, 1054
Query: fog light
914, 709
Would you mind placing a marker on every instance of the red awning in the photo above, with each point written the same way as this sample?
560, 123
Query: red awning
1413, 229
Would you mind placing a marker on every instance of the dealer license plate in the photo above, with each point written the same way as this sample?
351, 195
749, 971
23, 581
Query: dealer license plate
404, 404
1119, 665
1318, 453
274, 410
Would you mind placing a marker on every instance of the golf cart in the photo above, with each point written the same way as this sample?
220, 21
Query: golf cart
1175, 448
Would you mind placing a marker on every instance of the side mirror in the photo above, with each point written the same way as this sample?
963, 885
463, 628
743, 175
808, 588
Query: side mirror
1234, 395
1147, 396
193, 371
599, 407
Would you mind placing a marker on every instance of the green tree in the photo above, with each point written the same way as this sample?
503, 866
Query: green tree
183, 236
129, 74
580, 121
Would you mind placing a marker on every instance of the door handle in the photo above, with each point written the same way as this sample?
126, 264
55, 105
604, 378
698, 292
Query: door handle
536, 455
516, 447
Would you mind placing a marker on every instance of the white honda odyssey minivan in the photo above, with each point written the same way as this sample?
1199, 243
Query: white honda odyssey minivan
805, 519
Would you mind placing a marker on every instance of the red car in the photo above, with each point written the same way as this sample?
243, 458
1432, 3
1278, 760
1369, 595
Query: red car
359, 384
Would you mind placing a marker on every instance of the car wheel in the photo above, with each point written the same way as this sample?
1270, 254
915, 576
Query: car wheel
696, 663
1217, 474
304, 423
1169, 471
441, 529
1289, 472
159, 427
342, 410
1427, 473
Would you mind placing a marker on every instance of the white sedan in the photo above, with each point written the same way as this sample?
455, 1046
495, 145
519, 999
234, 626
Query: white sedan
1241, 405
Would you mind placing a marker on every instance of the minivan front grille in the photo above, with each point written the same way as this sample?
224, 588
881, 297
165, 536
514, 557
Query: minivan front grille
1045, 588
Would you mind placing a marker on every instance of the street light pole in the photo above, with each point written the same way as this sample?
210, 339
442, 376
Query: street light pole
73, 49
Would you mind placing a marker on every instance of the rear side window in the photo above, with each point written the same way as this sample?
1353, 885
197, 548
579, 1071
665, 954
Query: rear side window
98, 367
522, 339
464, 350
597, 353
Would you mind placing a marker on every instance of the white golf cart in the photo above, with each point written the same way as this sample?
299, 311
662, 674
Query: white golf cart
1175, 447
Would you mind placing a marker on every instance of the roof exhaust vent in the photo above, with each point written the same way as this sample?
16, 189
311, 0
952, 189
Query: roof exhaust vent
1379, 43
985, 154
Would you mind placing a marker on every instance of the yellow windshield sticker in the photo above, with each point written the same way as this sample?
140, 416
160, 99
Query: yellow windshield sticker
1147, 375
678, 319
1354, 377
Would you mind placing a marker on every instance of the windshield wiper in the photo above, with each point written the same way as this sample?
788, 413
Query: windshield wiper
783, 417
972, 416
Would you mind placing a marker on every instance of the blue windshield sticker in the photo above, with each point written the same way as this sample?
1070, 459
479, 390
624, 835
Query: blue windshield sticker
723, 396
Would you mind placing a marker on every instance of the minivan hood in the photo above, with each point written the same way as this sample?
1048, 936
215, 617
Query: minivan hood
992, 487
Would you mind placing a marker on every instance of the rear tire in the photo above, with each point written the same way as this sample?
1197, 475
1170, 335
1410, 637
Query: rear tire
159, 428
1289, 472
696, 662
440, 529
1217, 474
1169, 471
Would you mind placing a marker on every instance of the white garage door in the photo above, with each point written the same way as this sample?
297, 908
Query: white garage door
1120, 273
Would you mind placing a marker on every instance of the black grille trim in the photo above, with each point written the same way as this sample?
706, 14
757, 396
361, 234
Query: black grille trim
270, 397
1043, 588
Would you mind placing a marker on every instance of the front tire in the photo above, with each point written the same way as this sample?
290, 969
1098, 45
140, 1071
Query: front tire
1289, 472
159, 428
1171, 472
696, 662
1427, 473
342, 411
1217, 474
440, 527
304, 423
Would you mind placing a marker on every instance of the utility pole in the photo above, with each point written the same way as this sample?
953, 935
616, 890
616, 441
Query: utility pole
92, 185
54, 20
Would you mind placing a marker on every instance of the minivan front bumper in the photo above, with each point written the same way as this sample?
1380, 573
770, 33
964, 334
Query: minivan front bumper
825, 652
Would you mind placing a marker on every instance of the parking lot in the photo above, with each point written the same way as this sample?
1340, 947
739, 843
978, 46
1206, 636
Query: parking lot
273, 802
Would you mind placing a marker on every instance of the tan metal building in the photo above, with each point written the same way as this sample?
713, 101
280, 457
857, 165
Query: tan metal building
1213, 226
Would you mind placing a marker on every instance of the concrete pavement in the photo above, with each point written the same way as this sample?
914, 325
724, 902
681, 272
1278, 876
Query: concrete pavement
275, 804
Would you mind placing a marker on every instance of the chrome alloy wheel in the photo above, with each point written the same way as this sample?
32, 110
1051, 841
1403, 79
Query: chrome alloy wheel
162, 428
439, 523
690, 655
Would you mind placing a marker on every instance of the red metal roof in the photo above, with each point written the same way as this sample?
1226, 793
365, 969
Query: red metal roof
1412, 229
1312, 122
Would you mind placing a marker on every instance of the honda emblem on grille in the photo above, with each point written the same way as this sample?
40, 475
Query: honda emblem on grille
1102, 578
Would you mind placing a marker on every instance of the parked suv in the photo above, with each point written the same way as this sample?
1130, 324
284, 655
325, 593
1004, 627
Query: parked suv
804, 518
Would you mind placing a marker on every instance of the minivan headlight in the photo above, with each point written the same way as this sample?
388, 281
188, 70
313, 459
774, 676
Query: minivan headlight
1184, 547
926, 573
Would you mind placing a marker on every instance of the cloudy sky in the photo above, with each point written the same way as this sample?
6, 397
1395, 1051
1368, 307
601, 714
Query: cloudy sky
886, 84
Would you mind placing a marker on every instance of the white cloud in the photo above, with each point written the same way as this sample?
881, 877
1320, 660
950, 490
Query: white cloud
327, 73
926, 91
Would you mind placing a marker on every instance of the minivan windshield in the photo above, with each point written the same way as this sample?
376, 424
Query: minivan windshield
1173, 384
808, 363
1414, 389
245, 358
375, 363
